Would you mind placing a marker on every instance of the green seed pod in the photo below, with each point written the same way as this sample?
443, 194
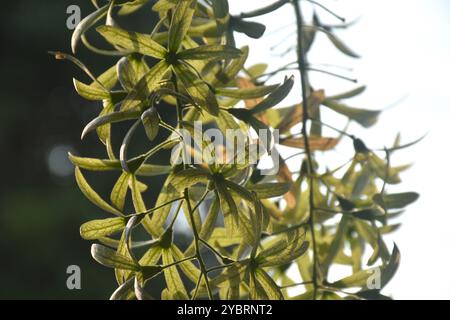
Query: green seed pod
150, 119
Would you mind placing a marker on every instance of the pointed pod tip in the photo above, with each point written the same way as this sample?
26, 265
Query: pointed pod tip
73, 45
84, 133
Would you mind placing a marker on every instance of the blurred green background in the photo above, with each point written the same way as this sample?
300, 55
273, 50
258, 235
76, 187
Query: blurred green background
41, 207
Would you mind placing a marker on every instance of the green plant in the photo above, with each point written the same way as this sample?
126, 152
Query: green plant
311, 218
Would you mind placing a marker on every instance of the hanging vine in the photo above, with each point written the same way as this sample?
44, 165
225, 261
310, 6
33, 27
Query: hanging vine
248, 228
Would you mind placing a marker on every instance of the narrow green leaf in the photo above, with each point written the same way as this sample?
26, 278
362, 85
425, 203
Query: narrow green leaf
131, 6
229, 208
151, 256
235, 273
241, 192
247, 93
229, 74
275, 97
396, 200
173, 280
208, 226
348, 94
250, 228
241, 114
266, 287
287, 247
211, 52
150, 170
92, 195
90, 92
337, 243
341, 46
92, 164
133, 41
123, 274
263, 132
147, 84
358, 279
187, 267
361, 278
357, 246
126, 74
108, 79
197, 89
379, 167
157, 221
138, 201
369, 234
130, 70
181, 21
222, 238
391, 268
252, 29
96, 229
189, 177
164, 5
221, 13
270, 190
366, 118
119, 191
369, 214
398, 146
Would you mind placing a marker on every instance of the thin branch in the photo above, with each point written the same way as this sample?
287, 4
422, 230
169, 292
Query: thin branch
302, 64
296, 284
262, 11
333, 74
154, 209
327, 10
217, 253
190, 211
197, 245
178, 262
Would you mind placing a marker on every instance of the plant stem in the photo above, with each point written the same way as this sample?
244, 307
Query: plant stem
262, 11
302, 64
219, 267
296, 284
200, 201
217, 253
190, 211
154, 209
333, 74
197, 245
178, 262
327, 10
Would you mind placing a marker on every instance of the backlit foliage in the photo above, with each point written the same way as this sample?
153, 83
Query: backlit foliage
256, 227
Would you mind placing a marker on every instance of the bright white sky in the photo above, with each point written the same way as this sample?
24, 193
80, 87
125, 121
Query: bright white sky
406, 50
